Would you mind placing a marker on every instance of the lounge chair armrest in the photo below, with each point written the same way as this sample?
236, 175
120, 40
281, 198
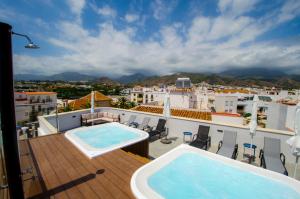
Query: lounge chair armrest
282, 158
236, 151
208, 141
262, 158
195, 137
220, 145
261, 153
146, 127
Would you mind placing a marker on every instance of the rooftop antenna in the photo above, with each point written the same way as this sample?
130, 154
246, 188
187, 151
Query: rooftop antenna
30, 44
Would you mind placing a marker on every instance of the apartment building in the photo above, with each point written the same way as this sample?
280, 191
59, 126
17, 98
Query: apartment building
29, 105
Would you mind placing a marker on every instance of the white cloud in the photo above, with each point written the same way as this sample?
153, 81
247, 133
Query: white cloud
162, 8
211, 44
107, 11
236, 7
290, 9
76, 7
131, 18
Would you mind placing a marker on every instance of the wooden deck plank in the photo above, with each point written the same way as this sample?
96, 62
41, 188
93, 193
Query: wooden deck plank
31, 183
101, 180
61, 164
108, 180
72, 172
48, 174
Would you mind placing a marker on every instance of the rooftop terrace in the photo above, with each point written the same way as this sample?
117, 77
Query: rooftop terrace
61, 170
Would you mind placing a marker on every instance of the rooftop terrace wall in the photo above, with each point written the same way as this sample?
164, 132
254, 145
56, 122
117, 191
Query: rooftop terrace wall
176, 125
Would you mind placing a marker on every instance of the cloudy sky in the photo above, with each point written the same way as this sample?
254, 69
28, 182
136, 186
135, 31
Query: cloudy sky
155, 37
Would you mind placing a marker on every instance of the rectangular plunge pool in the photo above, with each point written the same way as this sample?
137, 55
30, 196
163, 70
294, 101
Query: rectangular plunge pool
187, 172
99, 139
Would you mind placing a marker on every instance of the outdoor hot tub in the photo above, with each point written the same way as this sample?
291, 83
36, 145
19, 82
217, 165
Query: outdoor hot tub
99, 139
188, 172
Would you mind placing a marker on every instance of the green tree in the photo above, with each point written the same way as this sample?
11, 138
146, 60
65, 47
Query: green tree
124, 103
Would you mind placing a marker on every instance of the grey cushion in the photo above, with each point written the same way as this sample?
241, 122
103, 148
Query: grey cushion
144, 123
86, 116
229, 139
274, 164
271, 147
130, 120
225, 151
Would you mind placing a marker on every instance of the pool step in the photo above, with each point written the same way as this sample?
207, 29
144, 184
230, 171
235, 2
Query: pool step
139, 158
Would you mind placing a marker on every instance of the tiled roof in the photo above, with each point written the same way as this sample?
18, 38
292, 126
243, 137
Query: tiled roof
235, 91
227, 114
182, 90
37, 93
82, 103
175, 112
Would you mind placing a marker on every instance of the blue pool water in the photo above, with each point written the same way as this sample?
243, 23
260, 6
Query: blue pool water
106, 135
194, 176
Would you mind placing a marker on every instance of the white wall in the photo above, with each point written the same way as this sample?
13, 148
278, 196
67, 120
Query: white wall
276, 118
224, 103
227, 119
290, 117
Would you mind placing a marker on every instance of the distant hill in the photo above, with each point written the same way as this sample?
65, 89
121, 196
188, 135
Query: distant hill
285, 81
127, 79
28, 77
254, 73
107, 81
73, 76
66, 76
234, 77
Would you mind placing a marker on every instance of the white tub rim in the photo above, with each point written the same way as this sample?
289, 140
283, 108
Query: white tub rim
286, 180
92, 152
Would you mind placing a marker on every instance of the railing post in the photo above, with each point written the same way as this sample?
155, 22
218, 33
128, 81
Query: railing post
7, 109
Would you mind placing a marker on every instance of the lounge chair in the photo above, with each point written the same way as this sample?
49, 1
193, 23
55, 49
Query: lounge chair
270, 156
130, 120
143, 125
201, 140
160, 128
228, 146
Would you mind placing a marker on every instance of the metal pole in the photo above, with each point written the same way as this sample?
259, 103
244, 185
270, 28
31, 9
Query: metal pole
296, 165
7, 109
56, 117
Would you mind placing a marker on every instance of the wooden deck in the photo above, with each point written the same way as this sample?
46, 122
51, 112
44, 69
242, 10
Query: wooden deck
62, 171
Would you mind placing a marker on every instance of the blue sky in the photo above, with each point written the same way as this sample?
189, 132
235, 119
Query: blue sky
114, 38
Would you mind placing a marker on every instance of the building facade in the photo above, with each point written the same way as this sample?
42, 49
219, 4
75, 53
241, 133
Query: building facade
29, 105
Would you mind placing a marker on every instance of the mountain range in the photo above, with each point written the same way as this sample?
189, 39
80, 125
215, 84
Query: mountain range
235, 77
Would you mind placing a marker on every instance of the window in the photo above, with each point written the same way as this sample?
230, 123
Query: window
231, 103
26, 113
230, 110
226, 111
226, 103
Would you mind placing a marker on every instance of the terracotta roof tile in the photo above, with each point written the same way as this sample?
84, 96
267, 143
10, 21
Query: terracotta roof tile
175, 112
235, 91
82, 103
227, 114
37, 93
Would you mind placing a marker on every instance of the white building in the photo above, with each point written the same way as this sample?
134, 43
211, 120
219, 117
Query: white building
183, 98
31, 104
226, 103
